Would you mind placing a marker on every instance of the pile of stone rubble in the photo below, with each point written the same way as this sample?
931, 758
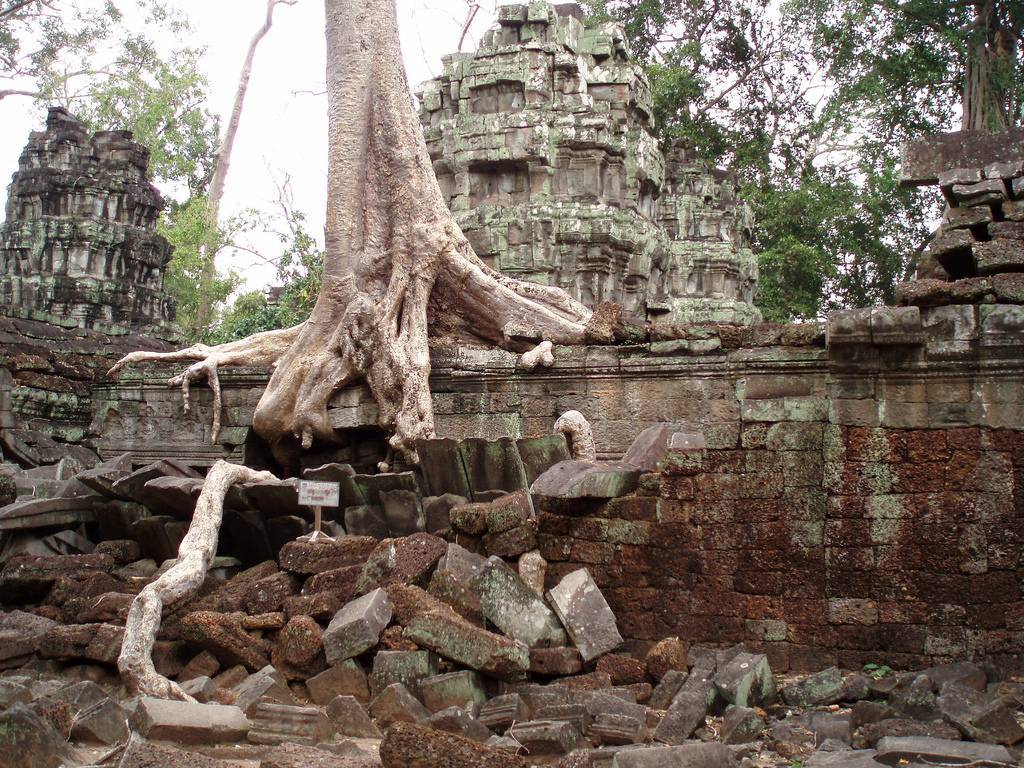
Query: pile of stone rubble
454, 647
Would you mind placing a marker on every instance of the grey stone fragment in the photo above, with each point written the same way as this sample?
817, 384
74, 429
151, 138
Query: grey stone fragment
585, 614
456, 689
199, 688
345, 679
266, 684
442, 467
666, 690
516, 609
895, 750
539, 454
501, 712
365, 520
281, 723
824, 687
612, 729
187, 722
438, 511
687, 712
28, 741
405, 667
351, 718
396, 705
746, 680
979, 716
712, 755
492, 465
653, 444
458, 721
403, 512
741, 725
829, 727
962, 672
547, 737
357, 627
106, 722
851, 758
586, 480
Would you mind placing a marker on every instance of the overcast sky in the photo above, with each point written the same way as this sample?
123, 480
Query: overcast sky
284, 126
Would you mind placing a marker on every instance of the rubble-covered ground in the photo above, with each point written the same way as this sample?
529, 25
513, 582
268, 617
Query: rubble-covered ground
437, 648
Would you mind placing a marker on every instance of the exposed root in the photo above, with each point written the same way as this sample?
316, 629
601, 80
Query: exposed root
578, 433
181, 581
542, 356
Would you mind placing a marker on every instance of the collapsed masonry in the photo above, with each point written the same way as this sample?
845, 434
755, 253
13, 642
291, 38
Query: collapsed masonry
436, 628
544, 143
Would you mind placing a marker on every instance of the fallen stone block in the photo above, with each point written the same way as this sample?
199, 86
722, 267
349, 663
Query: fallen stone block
298, 652
979, 716
555, 661
21, 634
351, 719
454, 638
460, 722
666, 690
741, 725
438, 512
173, 496
512, 543
345, 679
454, 582
916, 749
462, 689
623, 670
962, 672
265, 685
586, 480
411, 746
280, 723
187, 722
825, 687
405, 667
515, 609
223, 635
684, 756
308, 557
409, 560
746, 680
585, 614
28, 578
403, 512
667, 655
147, 754
28, 741
357, 627
614, 730
202, 689
653, 444
366, 521
547, 737
395, 704
870, 734
688, 710
501, 712
131, 486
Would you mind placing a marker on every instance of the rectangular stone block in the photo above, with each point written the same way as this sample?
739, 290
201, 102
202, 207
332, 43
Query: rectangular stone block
585, 614
188, 722
357, 627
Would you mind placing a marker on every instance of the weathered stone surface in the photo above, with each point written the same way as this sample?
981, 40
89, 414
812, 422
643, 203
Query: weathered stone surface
357, 627
901, 750
405, 667
666, 655
351, 718
147, 754
185, 722
555, 661
666, 690
223, 635
454, 638
307, 558
21, 634
586, 480
979, 716
28, 741
460, 722
501, 712
365, 520
299, 649
463, 689
547, 737
438, 512
622, 670
395, 704
345, 679
515, 609
265, 685
824, 687
585, 614
685, 756
746, 680
410, 560
410, 746
280, 723
403, 512
741, 725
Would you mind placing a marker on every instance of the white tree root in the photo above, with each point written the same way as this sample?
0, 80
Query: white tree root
578, 433
181, 581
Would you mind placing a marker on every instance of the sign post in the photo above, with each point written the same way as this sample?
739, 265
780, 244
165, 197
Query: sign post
318, 495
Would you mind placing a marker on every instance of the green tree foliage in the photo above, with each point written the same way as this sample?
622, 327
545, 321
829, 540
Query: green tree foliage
300, 271
810, 102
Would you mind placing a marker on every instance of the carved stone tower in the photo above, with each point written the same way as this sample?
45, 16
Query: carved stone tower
543, 142
79, 247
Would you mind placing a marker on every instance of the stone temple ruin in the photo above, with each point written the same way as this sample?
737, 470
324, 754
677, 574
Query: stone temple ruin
543, 141
800, 543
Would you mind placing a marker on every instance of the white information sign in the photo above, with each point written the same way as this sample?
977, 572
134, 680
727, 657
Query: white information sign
313, 494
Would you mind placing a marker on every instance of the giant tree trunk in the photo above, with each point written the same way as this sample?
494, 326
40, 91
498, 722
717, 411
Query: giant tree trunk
396, 263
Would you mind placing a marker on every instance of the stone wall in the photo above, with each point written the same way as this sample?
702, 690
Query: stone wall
544, 145
859, 500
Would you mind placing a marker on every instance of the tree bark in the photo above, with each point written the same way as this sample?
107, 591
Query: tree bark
178, 583
985, 105
204, 312
396, 263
